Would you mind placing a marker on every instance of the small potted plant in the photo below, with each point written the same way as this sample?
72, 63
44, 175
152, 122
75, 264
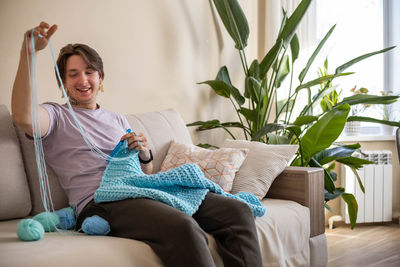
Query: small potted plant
385, 111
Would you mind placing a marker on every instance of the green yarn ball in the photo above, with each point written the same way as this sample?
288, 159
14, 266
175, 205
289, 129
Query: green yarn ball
48, 220
30, 230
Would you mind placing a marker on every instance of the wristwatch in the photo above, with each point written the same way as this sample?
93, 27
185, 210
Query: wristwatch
147, 161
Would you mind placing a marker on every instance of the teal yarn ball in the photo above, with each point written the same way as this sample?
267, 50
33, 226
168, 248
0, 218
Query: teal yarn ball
48, 220
30, 230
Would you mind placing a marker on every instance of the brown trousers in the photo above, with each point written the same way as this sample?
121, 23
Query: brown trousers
179, 239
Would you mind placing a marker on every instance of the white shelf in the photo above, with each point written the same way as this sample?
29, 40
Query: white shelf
366, 138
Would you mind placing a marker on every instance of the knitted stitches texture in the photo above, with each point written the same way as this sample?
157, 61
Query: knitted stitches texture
183, 188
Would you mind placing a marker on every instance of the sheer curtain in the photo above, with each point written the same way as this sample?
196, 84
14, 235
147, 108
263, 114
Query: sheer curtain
269, 21
270, 18
391, 35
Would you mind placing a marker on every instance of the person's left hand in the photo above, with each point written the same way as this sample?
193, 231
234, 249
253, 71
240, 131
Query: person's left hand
133, 141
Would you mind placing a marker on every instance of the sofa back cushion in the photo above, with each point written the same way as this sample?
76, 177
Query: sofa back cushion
261, 166
160, 128
218, 165
15, 201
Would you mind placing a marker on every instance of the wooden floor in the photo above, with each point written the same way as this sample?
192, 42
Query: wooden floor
366, 245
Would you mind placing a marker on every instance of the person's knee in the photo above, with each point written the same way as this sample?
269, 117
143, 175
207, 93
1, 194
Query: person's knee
241, 210
189, 246
186, 229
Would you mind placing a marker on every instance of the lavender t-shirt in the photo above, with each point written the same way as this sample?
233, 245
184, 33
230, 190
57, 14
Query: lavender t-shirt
79, 169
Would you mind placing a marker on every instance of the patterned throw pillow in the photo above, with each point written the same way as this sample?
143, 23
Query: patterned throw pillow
262, 165
218, 165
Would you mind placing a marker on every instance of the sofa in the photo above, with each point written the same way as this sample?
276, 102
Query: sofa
291, 233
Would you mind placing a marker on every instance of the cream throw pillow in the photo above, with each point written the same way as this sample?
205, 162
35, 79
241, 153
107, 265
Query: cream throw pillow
220, 165
261, 166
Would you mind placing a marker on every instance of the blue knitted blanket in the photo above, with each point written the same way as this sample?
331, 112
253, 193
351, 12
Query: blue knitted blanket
183, 188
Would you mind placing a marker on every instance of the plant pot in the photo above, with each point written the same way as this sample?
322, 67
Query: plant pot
352, 128
386, 129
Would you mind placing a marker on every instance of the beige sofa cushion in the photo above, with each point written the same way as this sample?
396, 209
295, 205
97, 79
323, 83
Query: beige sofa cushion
261, 166
15, 201
283, 233
160, 128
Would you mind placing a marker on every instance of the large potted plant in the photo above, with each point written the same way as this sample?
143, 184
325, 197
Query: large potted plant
314, 133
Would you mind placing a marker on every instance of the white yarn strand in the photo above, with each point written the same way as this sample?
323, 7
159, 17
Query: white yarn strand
39, 155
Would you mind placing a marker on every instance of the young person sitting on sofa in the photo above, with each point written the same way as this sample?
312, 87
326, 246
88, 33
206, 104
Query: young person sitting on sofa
177, 238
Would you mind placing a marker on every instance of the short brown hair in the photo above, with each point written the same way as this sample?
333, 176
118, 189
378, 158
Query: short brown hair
89, 55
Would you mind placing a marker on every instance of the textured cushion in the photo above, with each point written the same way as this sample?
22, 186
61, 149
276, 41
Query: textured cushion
218, 165
15, 201
262, 165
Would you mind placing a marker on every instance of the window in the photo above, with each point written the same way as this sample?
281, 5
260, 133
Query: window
391, 26
362, 26
358, 31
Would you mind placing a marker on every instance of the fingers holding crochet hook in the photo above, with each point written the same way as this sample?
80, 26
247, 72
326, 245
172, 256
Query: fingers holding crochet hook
138, 142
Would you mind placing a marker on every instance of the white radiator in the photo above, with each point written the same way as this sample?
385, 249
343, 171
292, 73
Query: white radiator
376, 204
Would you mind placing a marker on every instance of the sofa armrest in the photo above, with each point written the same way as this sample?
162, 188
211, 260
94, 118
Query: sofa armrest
305, 186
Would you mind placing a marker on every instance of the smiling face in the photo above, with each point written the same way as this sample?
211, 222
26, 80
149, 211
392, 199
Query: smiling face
81, 82
81, 70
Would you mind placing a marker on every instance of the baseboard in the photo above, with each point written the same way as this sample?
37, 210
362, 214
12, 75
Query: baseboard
343, 224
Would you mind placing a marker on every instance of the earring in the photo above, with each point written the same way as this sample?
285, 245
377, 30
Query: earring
101, 88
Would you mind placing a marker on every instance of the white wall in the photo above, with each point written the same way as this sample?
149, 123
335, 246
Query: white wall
154, 52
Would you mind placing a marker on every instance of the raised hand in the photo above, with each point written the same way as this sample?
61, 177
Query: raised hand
41, 42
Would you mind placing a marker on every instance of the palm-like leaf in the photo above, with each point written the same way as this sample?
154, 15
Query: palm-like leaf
314, 54
234, 20
352, 208
324, 132
350, 63
368, 119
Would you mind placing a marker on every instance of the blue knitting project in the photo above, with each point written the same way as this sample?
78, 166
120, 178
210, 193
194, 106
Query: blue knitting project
183, 188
